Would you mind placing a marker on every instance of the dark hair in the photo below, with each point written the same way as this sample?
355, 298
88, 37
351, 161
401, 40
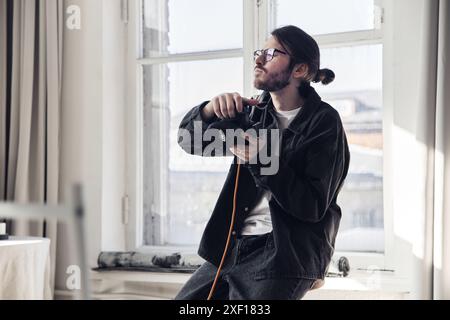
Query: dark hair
303, 49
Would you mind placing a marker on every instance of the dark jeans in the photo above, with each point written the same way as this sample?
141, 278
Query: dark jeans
236, 281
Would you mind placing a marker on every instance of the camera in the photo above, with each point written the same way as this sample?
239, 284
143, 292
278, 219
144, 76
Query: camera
243, 120
252, 117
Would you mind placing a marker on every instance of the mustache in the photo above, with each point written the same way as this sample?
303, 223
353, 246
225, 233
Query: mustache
259, 69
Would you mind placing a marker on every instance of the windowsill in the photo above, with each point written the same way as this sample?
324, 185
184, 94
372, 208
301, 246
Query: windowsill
358, 285
362, 283
141, 276
359, 261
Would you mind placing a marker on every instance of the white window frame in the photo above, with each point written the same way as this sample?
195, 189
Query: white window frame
256, 28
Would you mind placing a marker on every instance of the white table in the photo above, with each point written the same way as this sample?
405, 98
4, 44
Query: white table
25, 268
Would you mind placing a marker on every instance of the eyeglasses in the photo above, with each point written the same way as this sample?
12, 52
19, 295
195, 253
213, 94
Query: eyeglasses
268, 54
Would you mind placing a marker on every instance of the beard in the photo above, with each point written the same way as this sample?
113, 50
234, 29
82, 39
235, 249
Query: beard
275, 82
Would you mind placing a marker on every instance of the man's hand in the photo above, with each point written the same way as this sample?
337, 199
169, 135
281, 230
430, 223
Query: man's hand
248, 153
226, 105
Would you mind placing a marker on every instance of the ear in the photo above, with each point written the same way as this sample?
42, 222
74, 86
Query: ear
300, 71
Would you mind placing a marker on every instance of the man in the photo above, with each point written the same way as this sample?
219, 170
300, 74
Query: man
286, 223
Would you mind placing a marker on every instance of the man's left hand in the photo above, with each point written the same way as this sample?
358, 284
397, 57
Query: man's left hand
250, 152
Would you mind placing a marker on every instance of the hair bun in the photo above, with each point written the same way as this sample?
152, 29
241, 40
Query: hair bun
325, 76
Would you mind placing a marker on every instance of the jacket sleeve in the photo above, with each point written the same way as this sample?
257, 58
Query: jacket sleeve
195, 138
307, 194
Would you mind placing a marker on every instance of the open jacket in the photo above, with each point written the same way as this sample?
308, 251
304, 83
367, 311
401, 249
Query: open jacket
313, 163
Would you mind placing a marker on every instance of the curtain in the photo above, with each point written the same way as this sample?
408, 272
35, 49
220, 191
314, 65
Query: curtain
30, 96
423, 116
441, 217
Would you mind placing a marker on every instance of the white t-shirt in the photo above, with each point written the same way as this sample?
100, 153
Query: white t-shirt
259, 220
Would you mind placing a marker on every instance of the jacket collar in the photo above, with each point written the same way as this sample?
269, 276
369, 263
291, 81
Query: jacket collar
312, 102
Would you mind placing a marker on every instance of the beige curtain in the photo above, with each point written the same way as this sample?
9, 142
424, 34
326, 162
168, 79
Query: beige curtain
30, 96
441, 217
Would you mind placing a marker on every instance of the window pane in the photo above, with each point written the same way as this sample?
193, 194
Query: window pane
325, 16
179, 26
193, 183
357, 94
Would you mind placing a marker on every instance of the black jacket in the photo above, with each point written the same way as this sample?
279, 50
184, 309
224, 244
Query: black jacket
313, 163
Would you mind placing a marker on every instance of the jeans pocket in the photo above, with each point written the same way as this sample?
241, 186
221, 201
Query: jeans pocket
268, 247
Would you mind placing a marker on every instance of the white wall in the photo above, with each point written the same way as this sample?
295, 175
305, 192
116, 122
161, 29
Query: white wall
92, 139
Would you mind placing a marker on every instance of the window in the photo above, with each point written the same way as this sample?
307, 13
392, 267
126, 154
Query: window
325, 16
357, 94
190, 51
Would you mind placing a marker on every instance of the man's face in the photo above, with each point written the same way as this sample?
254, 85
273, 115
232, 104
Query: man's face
275, 74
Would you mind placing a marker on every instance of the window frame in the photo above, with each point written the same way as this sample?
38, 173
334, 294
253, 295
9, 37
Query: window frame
257, 24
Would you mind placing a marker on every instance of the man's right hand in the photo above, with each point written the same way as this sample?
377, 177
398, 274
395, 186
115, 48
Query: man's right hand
226, 105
